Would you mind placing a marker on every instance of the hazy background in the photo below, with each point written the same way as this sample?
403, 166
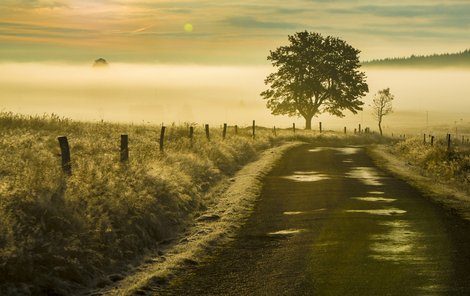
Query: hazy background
205, 61
163, 93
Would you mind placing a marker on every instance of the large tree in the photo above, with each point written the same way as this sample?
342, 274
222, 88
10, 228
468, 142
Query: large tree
315, 74
382, 105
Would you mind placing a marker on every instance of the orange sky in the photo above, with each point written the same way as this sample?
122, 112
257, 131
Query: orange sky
224, 32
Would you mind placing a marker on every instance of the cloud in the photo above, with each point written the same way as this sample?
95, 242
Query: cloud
289, 11
33, 27
33, 30
179, 10
425, 10
139, 30
34, 4
253, 23
227, 29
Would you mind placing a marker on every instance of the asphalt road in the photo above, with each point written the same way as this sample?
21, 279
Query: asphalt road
329, 222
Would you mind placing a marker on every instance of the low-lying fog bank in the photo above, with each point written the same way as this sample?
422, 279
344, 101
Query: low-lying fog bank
215, 94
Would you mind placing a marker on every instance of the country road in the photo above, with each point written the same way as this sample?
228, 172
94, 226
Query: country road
329, 222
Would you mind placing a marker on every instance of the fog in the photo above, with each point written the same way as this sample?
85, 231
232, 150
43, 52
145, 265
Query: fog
215, 94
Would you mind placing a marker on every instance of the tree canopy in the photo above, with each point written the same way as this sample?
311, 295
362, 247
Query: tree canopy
315, 74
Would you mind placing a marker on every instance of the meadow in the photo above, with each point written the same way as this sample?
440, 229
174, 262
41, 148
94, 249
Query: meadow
60, 233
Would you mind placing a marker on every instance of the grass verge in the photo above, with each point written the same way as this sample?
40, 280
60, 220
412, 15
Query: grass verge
443, 175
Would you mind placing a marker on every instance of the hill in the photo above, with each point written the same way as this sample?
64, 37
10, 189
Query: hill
460, 59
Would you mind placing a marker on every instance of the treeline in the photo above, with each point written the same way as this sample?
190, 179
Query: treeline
460, 59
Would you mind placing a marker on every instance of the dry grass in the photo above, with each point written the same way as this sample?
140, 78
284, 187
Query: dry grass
59, 234
442, 175
436, 161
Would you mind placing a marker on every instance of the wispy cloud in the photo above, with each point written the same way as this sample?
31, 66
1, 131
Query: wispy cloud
33, 4
253, 23
227, 29
422, 10
139, 30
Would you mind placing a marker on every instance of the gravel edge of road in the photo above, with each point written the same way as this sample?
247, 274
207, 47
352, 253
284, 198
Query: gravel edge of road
212, 229
445, 193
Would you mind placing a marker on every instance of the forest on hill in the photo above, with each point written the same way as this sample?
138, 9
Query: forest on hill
460, 59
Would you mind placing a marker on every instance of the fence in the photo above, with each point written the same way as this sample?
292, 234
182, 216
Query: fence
66, 163
449, 141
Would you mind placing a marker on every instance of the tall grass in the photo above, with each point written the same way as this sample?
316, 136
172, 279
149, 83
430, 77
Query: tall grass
60, 233
57, 230
437, 161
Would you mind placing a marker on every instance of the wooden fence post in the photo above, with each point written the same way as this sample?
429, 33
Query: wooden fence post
236, 129
432, 140
224, 132
162, 138
448, 142
319, 124
65, 154
345, 130
124, 148
274, 131
359, 128
254, 128
191, 135
424, 139
207, 132
293, 128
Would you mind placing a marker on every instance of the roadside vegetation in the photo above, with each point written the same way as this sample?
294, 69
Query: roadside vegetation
437, 161
62, 233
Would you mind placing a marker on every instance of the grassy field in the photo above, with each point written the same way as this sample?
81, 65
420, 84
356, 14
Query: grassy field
61, 233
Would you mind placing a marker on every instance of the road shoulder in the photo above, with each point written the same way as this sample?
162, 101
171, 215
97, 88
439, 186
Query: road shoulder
446, 193
212, 229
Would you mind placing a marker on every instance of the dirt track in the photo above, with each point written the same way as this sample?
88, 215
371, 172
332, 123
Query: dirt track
329, 222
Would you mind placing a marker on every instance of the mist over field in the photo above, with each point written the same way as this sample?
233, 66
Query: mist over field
153, 93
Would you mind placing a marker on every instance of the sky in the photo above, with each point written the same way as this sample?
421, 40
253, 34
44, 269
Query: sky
205, 61
224, 31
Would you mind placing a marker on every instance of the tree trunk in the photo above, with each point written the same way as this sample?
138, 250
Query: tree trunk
380, 127
308, 122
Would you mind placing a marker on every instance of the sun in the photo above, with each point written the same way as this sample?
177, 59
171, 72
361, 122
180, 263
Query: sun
188, 27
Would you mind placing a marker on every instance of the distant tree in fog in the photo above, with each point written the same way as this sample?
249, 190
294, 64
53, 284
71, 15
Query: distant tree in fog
382, 105
315, 74
100, 63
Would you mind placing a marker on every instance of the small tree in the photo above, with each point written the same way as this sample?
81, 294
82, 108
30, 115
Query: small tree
382, 105
315, 74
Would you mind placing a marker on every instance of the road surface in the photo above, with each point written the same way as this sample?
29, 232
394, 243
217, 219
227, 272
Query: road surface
329, 222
